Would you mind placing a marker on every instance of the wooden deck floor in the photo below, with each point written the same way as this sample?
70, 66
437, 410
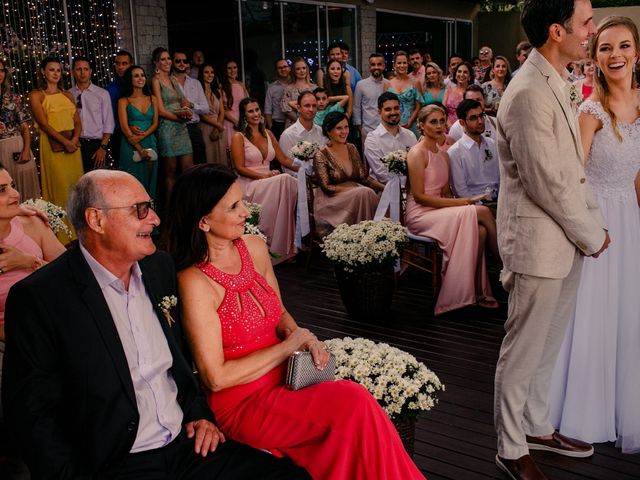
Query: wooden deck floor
455, 440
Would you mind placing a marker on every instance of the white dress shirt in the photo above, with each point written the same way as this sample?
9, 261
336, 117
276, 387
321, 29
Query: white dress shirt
193, 91
474, 167
96, 113
379, 142
457, 130
297, 133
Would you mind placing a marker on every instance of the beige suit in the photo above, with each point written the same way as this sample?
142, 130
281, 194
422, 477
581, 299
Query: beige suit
547, 217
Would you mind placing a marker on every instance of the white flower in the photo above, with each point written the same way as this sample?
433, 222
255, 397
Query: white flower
396, 161
304, 150
166, 305
54, 213
250, 229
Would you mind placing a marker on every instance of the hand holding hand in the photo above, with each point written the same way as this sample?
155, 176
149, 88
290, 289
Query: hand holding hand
605, 245
70, 146
208, 436
136, 130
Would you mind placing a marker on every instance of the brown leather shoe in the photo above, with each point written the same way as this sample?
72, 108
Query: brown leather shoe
523, 468
558, 443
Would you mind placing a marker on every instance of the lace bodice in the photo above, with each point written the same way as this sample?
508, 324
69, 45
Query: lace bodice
612, 165
250, 309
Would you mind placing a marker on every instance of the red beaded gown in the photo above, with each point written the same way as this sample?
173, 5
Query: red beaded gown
335, 430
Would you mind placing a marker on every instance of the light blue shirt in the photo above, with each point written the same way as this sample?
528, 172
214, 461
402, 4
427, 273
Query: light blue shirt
365, 103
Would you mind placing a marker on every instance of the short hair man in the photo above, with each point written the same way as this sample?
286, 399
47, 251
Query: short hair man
474, 92
473, 160
354, 74
485, 54
273, 114
416, 60
197, 60
365, 99
548, 221
121, 63
197, 102
96, 115
454, 60
523, 49
387, 137
96, 385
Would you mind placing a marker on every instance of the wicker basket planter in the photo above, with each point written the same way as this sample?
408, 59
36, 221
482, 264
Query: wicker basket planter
407, 432
366, 294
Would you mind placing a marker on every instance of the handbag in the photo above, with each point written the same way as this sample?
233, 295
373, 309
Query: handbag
56, 146
302, 372
153, 155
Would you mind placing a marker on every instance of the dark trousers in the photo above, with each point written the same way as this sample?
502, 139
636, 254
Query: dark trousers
231, 460
277, 128
87, 148
116, 138
197, 143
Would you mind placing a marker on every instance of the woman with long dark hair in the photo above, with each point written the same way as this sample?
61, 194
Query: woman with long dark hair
494, 88
233, 91
212, 124
336, 85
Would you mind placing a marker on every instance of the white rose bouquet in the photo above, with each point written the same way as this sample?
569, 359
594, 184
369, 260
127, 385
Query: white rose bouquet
304, 150
54, 213
251, 223
396, 161
402, 385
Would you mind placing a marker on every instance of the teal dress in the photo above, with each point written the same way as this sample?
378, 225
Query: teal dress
427, 98
408, 100
145, 171
173, 137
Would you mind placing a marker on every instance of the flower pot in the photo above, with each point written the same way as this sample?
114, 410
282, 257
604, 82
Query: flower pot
366, 294
407, 431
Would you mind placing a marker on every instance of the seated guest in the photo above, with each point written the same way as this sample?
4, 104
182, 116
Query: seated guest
461, 228
327, 104
475, 92
241, 337
346, 194
387, 137
474, 159
253, 147
96, 386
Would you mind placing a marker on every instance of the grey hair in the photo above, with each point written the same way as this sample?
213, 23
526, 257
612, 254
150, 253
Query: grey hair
85, 193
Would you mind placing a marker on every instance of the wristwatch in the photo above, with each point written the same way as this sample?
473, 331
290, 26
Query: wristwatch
104, 146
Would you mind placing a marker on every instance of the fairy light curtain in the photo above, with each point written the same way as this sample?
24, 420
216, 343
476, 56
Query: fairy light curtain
32, 29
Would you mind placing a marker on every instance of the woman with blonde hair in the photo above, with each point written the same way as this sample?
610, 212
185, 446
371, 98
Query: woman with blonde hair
300, 82
433, 84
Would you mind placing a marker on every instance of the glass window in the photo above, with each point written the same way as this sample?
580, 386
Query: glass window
463, 39
301, 32
342, 23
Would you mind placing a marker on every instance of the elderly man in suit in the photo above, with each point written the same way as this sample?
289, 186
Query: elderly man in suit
547, 222
96, 384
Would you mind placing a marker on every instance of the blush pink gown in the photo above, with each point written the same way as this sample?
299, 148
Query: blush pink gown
278, 196
335, 430
456, 231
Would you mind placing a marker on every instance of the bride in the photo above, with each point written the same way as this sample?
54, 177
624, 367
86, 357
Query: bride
595, 390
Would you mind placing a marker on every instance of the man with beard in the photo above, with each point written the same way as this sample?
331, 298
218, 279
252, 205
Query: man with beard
365, 103
454, 60
387, 137
473, 160
194, 93
474, 92
417, 65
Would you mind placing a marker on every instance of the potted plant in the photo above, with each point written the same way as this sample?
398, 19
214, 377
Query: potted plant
364, 255
402, 385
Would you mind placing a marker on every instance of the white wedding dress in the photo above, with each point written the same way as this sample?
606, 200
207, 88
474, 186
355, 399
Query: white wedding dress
595, 390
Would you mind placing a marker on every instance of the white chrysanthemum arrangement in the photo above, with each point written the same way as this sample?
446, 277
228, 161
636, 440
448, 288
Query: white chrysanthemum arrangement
304, 150
365, 246
402, 385
54, 213
396, 161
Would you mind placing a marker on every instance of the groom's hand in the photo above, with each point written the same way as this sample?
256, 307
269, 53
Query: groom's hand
605, 245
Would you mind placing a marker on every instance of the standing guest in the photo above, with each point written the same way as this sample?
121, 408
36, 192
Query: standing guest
138, 113
15, 138
454, 60
193, 92
122, 61
273, 114
101, 378
233, 91
548, 221
336, 86
463, 230
242, 336
483, 69
347, 194
494, 88
58, 121
455, 94
387, 137
212, 124
474, 92
333, 53
327, 104
433, 84
305, 129
522, 52
197, 62
409, 92
417, 65
473, 159
365, 103
174, 145
252, 149
299, 82
96, 115
585, 86
354, 75
595, 390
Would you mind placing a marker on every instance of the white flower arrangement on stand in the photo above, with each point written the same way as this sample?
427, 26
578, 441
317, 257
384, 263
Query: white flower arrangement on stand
54, 213
304, 150
251, 223
396, 162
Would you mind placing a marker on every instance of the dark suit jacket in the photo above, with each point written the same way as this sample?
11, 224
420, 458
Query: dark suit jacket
67, 391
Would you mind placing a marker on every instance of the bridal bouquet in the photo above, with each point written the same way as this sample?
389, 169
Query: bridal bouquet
54, 214
365, 246
304, 150
402, 385
396, 161
251, 223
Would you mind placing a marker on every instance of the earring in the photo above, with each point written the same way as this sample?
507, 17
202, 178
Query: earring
243, 124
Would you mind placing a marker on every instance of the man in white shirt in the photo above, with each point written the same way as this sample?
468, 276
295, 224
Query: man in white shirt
473, 160
387, 137
365, 103
474, 92
273, 115
193, 91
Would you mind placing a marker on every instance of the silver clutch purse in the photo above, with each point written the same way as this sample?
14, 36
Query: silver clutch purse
302, 372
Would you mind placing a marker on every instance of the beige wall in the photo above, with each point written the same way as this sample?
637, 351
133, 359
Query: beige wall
502, 32
631, 12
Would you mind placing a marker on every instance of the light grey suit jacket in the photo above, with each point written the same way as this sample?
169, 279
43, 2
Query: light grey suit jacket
545, 208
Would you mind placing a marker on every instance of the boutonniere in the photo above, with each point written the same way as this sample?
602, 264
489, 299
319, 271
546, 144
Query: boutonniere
574, 98
166, 305
487, 155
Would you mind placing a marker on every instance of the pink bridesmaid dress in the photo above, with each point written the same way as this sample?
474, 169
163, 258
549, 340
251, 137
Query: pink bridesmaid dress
456, 231
277, 195
238, 94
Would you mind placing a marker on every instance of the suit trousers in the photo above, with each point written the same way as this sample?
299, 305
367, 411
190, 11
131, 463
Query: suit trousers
197, 143
230, 461
539, 312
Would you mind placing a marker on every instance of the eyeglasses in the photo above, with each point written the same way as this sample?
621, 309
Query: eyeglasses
142, 208
474, 118
79, 100
484, 52
181, 60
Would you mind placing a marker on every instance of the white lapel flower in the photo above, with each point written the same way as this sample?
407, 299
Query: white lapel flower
166, 305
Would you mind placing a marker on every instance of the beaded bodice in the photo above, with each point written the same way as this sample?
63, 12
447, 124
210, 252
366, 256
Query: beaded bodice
612, 165
250, 309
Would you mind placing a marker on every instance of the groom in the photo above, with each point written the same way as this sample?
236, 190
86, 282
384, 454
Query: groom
547, 222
